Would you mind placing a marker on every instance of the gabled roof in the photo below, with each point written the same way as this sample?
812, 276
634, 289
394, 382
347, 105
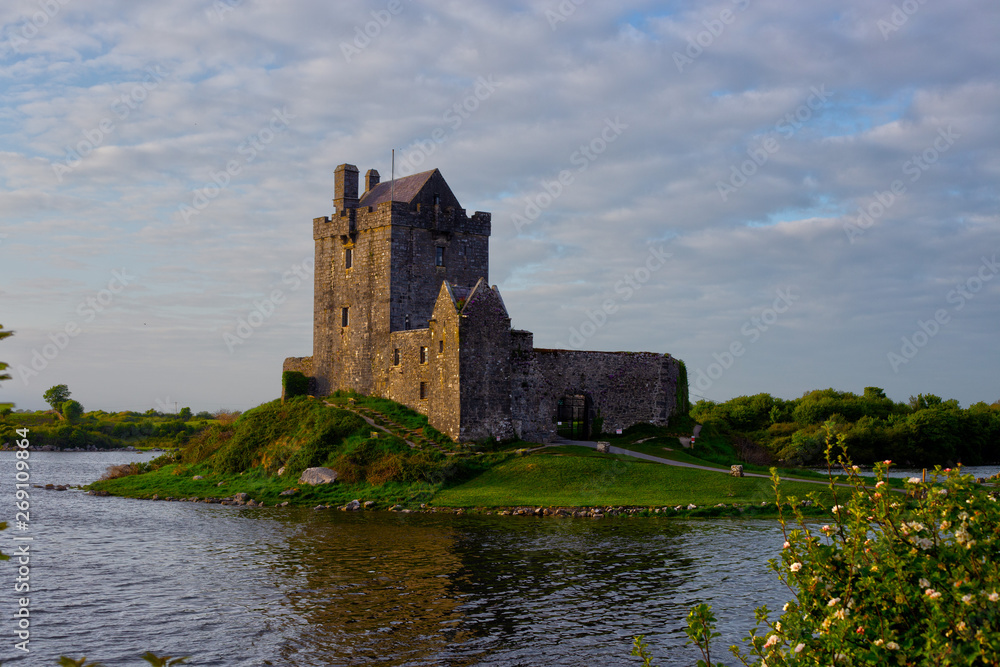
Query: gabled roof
483, 288
462, 296
411, 188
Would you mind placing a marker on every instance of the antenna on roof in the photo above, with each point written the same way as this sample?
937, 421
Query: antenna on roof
392, 179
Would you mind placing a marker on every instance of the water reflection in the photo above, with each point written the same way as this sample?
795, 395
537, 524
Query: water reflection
231, 586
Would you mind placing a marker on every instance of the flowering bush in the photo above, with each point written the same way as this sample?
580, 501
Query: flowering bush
900, 576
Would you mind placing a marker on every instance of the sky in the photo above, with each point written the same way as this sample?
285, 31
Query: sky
786, 195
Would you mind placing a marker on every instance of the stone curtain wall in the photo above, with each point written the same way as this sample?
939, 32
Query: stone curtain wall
529, 423
625, 388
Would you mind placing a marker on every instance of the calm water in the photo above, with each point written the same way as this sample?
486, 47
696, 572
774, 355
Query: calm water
975, 471
112, 578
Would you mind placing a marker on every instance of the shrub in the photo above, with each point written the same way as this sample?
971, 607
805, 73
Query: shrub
894, 579
71, 410
226, 417
294, 384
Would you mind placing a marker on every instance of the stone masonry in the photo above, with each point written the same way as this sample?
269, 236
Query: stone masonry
403, 310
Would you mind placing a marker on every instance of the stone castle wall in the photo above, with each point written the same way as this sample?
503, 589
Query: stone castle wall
403, 379
485, 367
625, 388
445, 408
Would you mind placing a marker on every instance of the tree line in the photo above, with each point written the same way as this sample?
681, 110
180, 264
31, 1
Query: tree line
924, 431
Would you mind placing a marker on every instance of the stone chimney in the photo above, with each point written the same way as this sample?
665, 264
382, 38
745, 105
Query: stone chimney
371, 179
345, 187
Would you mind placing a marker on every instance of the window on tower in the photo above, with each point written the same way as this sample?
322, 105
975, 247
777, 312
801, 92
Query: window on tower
343, 317
439, 256
348, 257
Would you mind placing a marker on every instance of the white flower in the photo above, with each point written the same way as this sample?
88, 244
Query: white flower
785, 608
836, 508
827, 529
786, 545
795, 567
961, 626
932, 594
924, 583
879, 642
840, 613
994, 596
924, 543
892, 646
833, 602
777, 626
771, 641
967, 599
880, 484
798, 649
913, 480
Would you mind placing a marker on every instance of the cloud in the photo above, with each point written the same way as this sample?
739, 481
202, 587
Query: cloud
187, 89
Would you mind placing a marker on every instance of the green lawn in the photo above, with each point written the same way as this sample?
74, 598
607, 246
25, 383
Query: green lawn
559, 477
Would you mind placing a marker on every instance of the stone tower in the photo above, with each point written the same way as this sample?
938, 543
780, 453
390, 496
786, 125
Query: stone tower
380, 262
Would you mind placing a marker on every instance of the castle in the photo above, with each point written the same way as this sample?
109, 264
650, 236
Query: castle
403, 310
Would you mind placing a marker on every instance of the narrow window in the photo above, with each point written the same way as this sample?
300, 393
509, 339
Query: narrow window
437, 200
343, 317
348, 258
423, 355
395, 357
439, 256
441, 346
423, 390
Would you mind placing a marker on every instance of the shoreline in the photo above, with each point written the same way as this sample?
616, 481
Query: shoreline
764, 510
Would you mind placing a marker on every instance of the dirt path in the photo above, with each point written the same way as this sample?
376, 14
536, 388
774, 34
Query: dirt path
683, 464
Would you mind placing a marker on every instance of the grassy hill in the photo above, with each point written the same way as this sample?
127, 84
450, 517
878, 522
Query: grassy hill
387, 453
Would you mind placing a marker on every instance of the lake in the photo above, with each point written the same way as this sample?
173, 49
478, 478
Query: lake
112, 577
